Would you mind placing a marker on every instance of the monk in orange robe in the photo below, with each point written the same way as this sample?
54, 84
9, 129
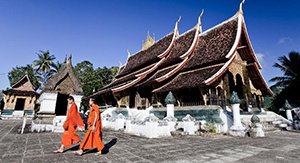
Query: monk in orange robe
93, 137
72, 123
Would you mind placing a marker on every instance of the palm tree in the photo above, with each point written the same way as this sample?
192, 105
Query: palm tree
44, 62
288, 84
43, 65
290, 68
56, 67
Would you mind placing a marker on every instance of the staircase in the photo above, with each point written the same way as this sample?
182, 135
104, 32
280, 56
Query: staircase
269, 120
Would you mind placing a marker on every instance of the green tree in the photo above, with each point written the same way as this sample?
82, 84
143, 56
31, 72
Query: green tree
18, 72
93, 79
86, 75
105, 75
291, 70
43, 66
56, 67
288, 84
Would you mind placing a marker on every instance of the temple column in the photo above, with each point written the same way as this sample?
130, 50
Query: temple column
205, 99
209, 95
118, 101
226, 88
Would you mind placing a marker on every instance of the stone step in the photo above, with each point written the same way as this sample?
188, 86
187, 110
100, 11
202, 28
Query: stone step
58, 129
283, 125
277, 122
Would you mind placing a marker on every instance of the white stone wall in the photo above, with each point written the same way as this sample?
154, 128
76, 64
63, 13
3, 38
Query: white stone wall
77, 100
47, 102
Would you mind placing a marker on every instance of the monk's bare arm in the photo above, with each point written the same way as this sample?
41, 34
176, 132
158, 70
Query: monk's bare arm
94, 120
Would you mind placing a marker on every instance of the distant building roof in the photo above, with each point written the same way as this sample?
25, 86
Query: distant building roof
22, 87
64, 81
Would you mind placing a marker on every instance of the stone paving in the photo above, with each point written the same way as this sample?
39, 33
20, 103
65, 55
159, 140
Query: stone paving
37, 148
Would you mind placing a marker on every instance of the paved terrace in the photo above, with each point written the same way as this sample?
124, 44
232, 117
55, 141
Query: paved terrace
38, 147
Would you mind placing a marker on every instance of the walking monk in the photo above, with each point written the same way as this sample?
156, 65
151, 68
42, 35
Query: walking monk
72, 123
93, 137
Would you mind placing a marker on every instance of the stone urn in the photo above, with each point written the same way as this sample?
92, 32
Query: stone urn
256, 128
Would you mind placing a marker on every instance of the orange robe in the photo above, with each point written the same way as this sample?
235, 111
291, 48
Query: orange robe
72, 122
93, 139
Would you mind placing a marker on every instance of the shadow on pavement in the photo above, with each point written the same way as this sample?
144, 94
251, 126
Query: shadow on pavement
73, 148
108, 145
106, 148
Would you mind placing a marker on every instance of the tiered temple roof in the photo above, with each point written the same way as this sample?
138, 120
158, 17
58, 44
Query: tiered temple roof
64, 81
192, 59
23, 87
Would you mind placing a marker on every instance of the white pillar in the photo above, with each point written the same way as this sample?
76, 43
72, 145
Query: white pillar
250, 108
237, 124
170, 110
289, 115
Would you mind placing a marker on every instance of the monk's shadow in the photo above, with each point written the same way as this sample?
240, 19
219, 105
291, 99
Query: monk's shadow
106, 148
73, 148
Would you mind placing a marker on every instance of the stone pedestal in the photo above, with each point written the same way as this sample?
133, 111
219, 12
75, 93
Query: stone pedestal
237, 124
189, 125
257, 131
289, 115
171, 122
237, 128
58, 123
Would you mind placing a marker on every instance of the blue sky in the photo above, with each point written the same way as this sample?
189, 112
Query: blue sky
101, 31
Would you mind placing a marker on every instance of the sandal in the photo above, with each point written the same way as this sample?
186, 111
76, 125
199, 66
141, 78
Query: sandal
98, 153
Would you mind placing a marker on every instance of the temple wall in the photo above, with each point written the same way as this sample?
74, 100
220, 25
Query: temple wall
124, 101
253, 90
238, 66
10, 102
77, 100
47, 102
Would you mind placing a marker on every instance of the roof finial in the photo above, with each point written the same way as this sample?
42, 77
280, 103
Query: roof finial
66, 58
128, 54
241, 6
148, 42
176, 26
199, 21
69, 59
120, 64
26, 73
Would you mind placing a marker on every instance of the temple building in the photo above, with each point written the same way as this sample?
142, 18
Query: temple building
20, 99
198, 67
53, 99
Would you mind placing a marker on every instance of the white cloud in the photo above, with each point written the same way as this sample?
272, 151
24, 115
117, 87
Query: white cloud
285, 40
260, 57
